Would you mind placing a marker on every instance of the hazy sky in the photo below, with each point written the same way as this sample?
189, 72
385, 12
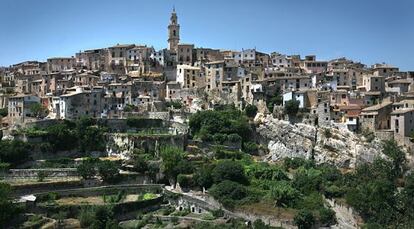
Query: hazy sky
364, 30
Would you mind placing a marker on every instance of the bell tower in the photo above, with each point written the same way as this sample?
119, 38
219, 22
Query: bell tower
173, 32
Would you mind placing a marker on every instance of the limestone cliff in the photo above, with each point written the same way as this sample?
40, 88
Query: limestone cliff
335, 145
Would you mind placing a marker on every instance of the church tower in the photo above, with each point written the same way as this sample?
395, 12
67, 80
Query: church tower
173, 32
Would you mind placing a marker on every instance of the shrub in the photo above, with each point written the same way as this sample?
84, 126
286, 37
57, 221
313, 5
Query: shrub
234, 138
251, 110
228, 192
327, 216
219, 138
284, 194
229, 170
108, 170
304, 219
185, 181
250, 147
292, 107
327, 133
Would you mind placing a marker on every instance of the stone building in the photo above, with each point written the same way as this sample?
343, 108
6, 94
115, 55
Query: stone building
185, 54
190, 76
173, 32
94, 59
376, 117
19, 107
402, 122
58, 64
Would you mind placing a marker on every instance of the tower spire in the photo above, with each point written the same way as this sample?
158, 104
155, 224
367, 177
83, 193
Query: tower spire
173, 32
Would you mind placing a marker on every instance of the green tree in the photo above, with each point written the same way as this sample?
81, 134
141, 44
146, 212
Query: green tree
8, 209
229, 170
228, 192
304, 219
92, 139
292, 107
108, 170
38, 110
251, 110
4, 112
87, 169
284, 194
203, 177
327, 216
171, 158
14, 151
394, 152
276, 99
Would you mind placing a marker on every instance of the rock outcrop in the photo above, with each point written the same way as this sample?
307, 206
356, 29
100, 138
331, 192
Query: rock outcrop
334, 145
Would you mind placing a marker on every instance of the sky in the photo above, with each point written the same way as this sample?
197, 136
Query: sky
370, 31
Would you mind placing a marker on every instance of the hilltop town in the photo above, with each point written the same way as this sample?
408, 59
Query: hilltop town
197, 137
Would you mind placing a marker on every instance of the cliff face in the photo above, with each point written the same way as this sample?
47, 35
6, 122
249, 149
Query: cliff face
333, 145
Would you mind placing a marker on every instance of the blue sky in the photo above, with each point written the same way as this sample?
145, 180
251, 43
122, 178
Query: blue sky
365, 30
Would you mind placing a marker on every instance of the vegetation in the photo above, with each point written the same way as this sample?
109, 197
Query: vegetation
176, 104
8, 209
107, 170
250, 110
226, 121
292, 107
276, 99
4, 112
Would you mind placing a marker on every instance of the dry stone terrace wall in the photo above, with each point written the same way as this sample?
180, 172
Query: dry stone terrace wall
122, 144
30, 173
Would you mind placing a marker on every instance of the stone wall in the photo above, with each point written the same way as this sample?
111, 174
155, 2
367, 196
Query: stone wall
30, 173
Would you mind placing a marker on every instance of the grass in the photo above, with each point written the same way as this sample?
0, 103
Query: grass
92, 200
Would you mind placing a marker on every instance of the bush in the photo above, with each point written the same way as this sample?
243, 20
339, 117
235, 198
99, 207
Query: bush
185, 181
218, 213
292, 107
228, 192
251, 110
203, 177
284, 194
108, 170
234, 138
229, 170
250, 147
304, 219
327, 216
327, 133
219, 138
87, 168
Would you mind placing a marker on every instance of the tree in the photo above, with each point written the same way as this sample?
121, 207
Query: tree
8, 209
304, 219
38, 110
203, 177
292, 107
276, 99
284, 194
171, 158
327, 216
228, 192
251, 110
108, 170
92, 139
14, 151
3, 112
229, 170
87, 168
394, 152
